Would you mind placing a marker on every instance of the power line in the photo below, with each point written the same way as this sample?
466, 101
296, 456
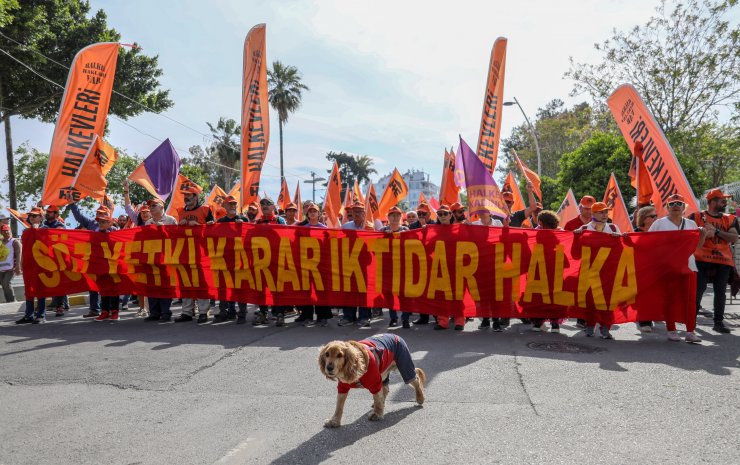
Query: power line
204, 135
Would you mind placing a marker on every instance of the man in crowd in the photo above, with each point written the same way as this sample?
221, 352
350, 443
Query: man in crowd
518, 217
360, 315
269, 217
227, 309
423, 217
4, 219
252, 211
291, 211
10, 261
459, 214
584, 206
714, 260
194, 214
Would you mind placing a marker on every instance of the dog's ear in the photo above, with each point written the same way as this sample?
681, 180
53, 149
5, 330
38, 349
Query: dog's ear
354, 361
322, 358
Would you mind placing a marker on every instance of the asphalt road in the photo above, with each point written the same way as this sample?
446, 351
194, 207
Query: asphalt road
74, 391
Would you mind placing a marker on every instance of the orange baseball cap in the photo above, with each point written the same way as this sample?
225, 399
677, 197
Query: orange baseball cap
443, 208
254, 205
145, 208
190, 189
717, 194
422, 207
508, 196
587, 201
291, 206
311, 206
599, 207
230, 199
36, 211
395, 209
456, 206
358, 206
675, 198
155, 201
52, 208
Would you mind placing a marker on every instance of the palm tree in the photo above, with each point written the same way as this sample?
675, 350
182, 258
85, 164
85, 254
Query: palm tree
225, 147
285, 88
364, 168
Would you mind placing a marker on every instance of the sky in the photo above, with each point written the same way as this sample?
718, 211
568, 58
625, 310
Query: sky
394, 80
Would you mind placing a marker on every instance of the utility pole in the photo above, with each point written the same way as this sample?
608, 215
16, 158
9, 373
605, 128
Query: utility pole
313, 182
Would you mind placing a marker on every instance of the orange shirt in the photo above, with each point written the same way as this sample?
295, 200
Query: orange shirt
715, 249
202, 214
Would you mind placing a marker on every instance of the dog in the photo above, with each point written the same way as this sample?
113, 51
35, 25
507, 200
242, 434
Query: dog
367, 363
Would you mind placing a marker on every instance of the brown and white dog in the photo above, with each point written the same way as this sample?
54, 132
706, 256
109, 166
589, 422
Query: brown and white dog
367, 364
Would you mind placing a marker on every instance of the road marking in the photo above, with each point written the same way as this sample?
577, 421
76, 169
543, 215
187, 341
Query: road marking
233, 455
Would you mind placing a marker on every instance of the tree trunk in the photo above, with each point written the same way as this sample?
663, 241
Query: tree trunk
11, 163
282, 176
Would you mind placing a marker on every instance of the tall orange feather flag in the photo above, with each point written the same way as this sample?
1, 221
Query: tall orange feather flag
358, 193
569, 208
333, 197
90, 179
395, 191
255, 135
490, 122
449, 192
618, 213
637, 124
82, 116
510, 185
530, 175
177, 200
297, 199
284, 197
371, 205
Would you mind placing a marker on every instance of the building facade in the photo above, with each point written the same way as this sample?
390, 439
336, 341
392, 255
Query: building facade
418, 183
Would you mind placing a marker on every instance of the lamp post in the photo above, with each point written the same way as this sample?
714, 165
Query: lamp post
313, 182
534, 134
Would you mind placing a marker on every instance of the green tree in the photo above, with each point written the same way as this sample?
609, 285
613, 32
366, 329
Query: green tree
352, 168
285, 94
225, 150
56, 30
712, 151
6, 8
684, 62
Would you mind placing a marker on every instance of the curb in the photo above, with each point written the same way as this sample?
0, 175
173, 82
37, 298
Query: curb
20, 306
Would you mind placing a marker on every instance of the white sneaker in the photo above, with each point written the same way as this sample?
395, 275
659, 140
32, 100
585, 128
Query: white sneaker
691, 337
673, 336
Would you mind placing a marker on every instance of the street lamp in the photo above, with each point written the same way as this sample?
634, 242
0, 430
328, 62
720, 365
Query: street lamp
534, 134
313, 181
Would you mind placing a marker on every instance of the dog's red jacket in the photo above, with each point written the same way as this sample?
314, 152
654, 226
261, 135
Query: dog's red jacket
379, 361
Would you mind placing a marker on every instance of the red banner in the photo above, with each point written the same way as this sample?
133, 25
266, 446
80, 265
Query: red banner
445, 270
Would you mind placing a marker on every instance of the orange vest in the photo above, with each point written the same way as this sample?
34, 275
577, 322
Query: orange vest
715, 249
200, 214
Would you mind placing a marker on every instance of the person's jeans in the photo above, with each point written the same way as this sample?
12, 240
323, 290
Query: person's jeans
5, 278
95, 301
39, 311
227, 308
159, 307
394, 315
718, 275
350, 313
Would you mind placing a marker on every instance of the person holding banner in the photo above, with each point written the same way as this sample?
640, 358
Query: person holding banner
395, 226
674, 221
194, 214
34, 314
445, 218
360, 315
643, 220
458, 214
599, 223
227, 309
517, 218
108, 303
584, 207
290, 214
714, 260
323, 313
423, 217
269, 217
159, 218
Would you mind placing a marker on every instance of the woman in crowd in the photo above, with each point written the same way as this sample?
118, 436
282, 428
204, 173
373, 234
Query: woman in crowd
644, 218
395, 226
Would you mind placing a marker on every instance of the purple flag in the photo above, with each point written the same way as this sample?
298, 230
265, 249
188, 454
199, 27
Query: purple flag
472, 175
158, 172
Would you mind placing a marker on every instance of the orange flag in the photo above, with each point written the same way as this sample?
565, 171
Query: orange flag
433, 210
395, 191
372, 212
333, 197
297, 199
568, 209
510, 185
348, 201
236, 192
638, 125
90, 179
81, 117
358, 193
618, 213
284, 197
177, 200
641, 180
449, 192
216, 201
490, 122
530, 175
19, 217
255, 135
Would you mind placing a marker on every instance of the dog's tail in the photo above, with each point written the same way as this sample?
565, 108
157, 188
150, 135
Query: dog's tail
422, 376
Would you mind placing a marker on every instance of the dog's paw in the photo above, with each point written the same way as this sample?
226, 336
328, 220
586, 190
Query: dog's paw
332, 423
375, 417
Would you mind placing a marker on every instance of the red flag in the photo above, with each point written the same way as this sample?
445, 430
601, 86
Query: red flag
255, 135
284, 197
618, 213
395, 191
530, 175
568, 209
90, 179
489, 135
81, 117
449, 193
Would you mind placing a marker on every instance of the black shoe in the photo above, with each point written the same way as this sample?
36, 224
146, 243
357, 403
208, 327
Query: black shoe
152, 318
301, 319
721, 328
240, 320
183, 318
124, 308
218, 318
37, 321
165, 319
23, 321
459, 327
497, 326
406, 325
231, 316
505, 322
438, 327
485, 323
422, 321
202, 318
393, 324
280, 320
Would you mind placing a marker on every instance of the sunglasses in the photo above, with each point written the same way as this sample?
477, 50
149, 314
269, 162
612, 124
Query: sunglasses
422, 214
442, 213
675, 204
652, 216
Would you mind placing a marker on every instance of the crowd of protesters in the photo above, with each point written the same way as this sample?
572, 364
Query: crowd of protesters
713, 261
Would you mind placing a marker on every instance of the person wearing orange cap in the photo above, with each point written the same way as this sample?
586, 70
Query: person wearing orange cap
323, 313
252, 211
290, 214
423, 217
359, 315
395, 226
676, 206
714, 260
584, 206
269, 217
108, 303
458, 214
51, 218
35, 312
159, 218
